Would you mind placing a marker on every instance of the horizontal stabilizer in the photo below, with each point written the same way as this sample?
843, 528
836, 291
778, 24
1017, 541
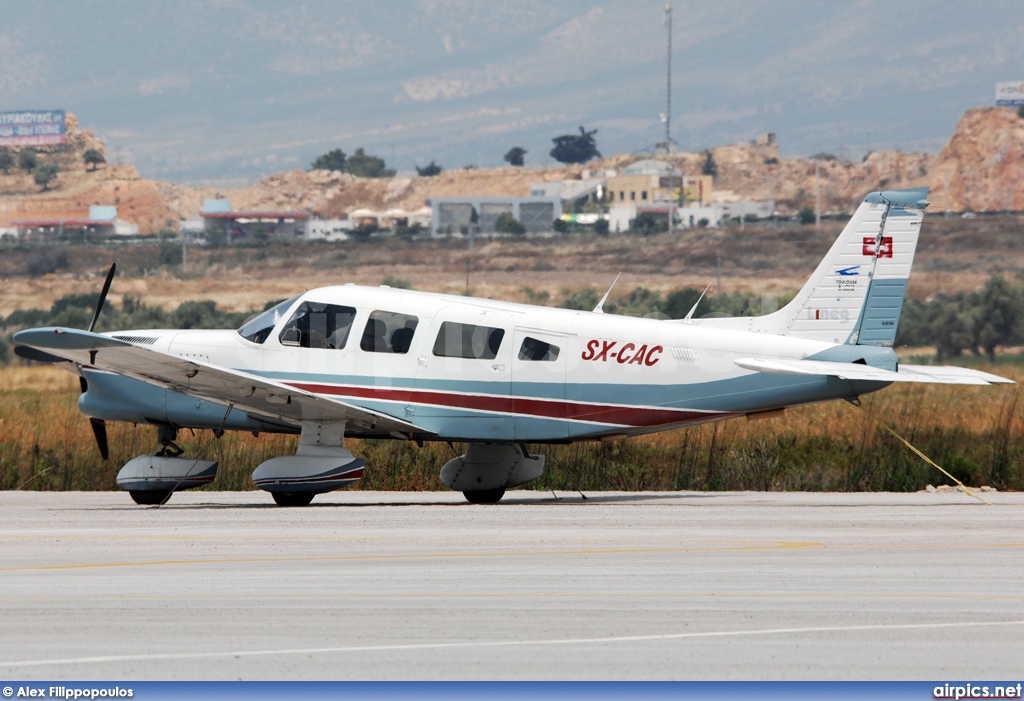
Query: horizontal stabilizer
936, 374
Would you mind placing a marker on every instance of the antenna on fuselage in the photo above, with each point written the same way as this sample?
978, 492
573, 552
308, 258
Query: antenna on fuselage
689, 314
599, 309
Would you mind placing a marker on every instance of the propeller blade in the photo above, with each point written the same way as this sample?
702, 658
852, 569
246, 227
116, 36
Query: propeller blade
103, 297
29, 353
99, 429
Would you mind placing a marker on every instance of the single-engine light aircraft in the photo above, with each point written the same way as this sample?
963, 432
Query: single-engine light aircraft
380, 362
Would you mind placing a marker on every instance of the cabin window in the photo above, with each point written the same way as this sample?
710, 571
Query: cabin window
318, 325
388, 332
535, 349
257, 327
468, 341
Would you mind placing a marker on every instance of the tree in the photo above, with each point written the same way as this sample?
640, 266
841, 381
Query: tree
647, 224
601, 227
516, 156
507, 224
807, 215
332, 160
709, 167
824, 156
429, 171
93, 157
998, 318
363, 232
575, 148
214, 234
6, 159
366, 166
27, 160
43, 174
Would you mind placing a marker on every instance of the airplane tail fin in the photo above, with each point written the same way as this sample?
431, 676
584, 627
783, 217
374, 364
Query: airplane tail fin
856, 293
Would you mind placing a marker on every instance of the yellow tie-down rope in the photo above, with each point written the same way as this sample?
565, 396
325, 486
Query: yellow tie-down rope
963, 487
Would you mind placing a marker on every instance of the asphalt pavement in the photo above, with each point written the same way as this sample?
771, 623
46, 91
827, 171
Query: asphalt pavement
372, 585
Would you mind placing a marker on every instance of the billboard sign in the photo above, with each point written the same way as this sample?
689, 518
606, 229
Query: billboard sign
32, 128
1010, 94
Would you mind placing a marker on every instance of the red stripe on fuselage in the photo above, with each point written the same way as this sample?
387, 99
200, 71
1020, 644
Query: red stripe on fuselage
547, 408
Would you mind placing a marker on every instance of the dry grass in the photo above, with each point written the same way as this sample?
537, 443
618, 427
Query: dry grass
975, 432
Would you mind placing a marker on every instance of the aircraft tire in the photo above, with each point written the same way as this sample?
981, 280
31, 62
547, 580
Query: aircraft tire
149, 497
293, 498
485, 496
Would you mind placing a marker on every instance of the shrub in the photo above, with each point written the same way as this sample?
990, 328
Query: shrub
332, 160
507, 224
429, 170
807, 215
27, 160
364, 165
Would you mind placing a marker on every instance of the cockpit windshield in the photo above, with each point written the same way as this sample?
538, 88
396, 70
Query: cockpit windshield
258, 327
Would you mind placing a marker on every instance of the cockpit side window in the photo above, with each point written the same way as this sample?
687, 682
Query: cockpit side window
257, 328
456, 340
535, 349
318, 325
388, 332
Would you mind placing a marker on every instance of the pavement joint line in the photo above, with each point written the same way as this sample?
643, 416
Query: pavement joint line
511, 595
778, 546
607, 640
414, 556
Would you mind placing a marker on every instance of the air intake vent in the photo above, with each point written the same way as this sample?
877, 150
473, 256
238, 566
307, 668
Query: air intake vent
138, 340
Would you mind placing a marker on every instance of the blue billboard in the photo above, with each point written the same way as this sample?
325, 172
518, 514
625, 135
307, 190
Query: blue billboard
33, 128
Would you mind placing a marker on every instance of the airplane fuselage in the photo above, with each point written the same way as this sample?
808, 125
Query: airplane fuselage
484, 370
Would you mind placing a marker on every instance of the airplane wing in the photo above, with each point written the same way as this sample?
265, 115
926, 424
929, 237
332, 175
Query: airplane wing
211, 382
946, 375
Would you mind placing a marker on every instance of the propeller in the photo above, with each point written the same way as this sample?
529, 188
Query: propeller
99, 426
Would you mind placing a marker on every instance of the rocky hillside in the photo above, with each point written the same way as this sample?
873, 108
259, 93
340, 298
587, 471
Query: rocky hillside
76, 187
978, 170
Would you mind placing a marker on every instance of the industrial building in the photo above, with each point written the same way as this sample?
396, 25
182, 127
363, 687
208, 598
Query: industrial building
101, 220
650, 180
236, 225
455, 215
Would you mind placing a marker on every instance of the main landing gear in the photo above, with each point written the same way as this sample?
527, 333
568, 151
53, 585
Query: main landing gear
151, 479
488, 469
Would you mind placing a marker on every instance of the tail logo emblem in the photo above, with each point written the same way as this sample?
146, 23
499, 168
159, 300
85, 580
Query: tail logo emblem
852, 270
884, 251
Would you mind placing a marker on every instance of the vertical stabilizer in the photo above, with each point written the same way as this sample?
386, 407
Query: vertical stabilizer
856, 293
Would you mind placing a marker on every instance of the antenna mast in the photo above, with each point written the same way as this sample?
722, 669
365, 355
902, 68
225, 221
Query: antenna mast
668, 73
668, 146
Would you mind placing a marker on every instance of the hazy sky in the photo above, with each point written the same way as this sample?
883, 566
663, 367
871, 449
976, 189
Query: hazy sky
241, 88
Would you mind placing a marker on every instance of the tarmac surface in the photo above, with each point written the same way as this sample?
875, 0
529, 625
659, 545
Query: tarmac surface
371, 585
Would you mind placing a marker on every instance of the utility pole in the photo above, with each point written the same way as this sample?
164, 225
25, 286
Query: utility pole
181, 234
668, 74
817, 197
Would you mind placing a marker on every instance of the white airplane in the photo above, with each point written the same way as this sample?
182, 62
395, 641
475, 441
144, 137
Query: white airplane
380, 362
